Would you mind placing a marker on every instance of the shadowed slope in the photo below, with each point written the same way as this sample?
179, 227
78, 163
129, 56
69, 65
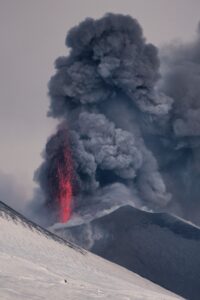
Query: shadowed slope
160, 247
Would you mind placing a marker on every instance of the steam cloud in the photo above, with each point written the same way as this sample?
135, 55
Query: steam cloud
132, 133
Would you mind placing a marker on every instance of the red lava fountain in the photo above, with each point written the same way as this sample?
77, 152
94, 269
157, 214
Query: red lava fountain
65, 190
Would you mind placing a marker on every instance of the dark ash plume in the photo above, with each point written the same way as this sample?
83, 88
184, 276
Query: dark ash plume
128, 127
110, 66
181, 81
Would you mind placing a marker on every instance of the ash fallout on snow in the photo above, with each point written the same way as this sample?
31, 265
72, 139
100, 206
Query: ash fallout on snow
124, 130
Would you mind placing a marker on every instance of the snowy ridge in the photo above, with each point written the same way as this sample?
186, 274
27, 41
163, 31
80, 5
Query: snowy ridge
9, 213
36, 264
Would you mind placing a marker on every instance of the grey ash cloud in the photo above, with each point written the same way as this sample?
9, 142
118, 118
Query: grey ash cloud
180, 80
126, 124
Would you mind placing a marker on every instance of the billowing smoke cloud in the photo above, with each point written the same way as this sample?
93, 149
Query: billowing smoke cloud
181, 81
110, 65
130, 132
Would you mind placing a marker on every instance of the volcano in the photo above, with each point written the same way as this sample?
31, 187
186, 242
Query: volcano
157, 246
35, 264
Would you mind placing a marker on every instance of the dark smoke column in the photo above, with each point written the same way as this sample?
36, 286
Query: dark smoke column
104, 93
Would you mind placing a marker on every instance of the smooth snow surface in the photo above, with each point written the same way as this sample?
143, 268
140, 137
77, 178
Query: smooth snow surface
36, 265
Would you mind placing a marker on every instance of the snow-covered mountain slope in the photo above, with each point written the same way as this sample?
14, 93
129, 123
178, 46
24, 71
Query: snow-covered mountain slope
35, 264
157, 246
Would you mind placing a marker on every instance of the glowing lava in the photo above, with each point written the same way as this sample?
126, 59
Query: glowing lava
65, 192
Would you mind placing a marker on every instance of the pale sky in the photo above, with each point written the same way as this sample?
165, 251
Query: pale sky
32, 36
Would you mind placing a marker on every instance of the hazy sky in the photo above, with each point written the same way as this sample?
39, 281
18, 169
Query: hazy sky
32, 35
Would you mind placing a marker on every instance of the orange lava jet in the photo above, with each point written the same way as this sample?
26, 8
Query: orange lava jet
65, 192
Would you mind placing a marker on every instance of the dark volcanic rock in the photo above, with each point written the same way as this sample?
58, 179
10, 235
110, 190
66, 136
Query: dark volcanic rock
157, 246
